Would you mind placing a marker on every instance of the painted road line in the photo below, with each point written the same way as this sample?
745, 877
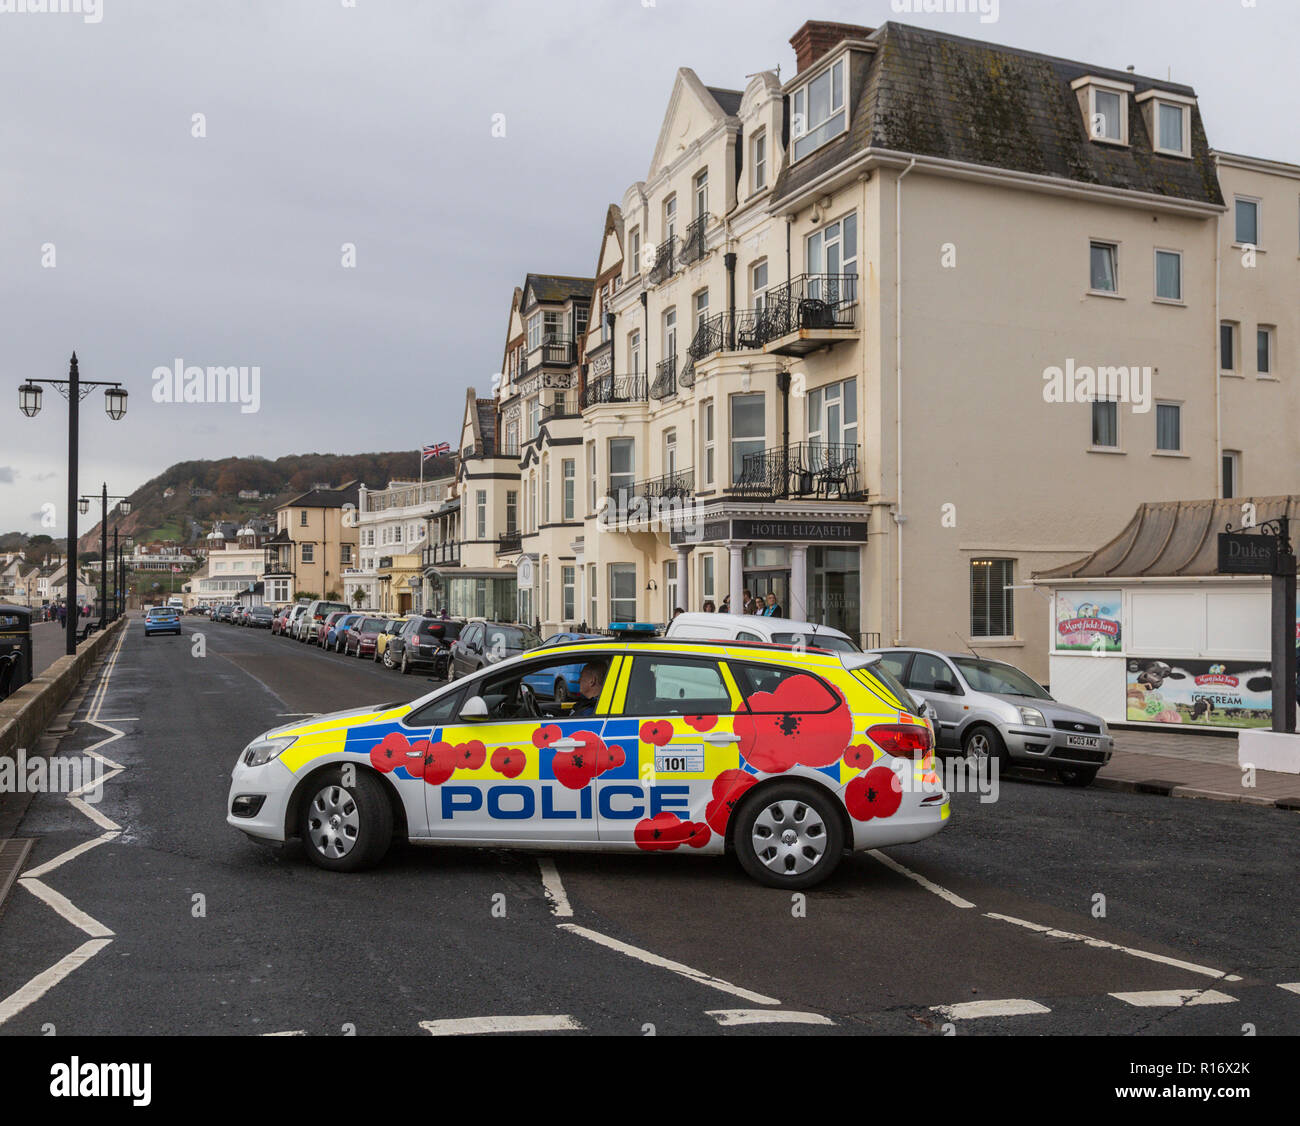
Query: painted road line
973, 1010
1293, 986
730, 1017
65, 907
1102, 944
478, 1026
554, 888
668, 964
943, 893
1173, 998
71, 854
43, 982
295, 1032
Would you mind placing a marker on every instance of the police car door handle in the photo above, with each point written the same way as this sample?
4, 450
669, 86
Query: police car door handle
721, 738
566, 744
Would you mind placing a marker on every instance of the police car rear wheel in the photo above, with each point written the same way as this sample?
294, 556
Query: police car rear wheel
789, 836
347, 828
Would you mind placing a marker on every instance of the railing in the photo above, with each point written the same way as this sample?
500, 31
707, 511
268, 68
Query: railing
693, 242
558, 351
665, 261
665, 384
613, 389
509, 449
804, 469
671, 486
552, 412
808, 301
437, 554
510, 543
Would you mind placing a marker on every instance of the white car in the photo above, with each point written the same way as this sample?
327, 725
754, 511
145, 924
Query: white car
754, 627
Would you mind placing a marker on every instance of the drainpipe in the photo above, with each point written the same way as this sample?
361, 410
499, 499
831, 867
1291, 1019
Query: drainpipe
645, 329
1217, 362
730, 261
899, 517
783, 385
789, 220
610, 319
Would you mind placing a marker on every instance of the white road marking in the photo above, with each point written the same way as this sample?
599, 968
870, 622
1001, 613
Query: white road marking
1102, 944
478, 1026
71, 854
1293, 986
295, 1032
943, 893
1173, 998
554, 888
668, 964
973, 1010
123, 719
43, 982
729, 1017
65, 907
102, 820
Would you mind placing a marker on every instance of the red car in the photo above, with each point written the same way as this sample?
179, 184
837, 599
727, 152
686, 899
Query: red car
317, 636
359, 638
281, 616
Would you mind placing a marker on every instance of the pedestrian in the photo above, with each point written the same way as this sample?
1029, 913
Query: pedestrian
747, 602
443, 614
709, 608
675, 613
773, 609
726, 605
63, 614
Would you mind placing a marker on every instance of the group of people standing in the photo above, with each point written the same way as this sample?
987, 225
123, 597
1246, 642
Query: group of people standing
764, 607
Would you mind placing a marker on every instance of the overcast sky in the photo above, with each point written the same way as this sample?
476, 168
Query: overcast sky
372, 125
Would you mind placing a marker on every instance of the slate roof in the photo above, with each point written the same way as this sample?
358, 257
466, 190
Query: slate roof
927, 93
1172, 538
325, 498
728, 100
558, 287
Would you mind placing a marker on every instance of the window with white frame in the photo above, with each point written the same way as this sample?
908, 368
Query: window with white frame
1264, 349
1105, 105
758, 159
397, 534
670, 217
700, 191
758, 284
480, 513
634, 352
700, 311
532, 502
309, 553
1105, 424
534, 416
634, 251
706, 430
1169, 275
748, 430
512, 437
591, 477
1169, 427
512, 510
546, 490
1231, 473
1103, 267
833, 415
992, 601
670, 588
670, 333
622, 468
534, 331
569, 468
1247, 221
592, 597
834, 249
1173, 128
670, 451
568, 609
818, 110
706, 577
622, 592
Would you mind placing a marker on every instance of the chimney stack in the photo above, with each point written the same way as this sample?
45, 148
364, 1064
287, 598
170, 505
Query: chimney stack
816, 37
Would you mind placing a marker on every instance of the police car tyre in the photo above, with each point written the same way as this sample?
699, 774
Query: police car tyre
983, 743
346, 828
1078, 776
789, 836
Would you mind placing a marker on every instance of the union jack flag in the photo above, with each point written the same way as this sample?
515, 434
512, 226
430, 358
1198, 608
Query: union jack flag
436, 451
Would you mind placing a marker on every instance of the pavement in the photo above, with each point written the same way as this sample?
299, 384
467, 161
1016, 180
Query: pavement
49, 643
1050, 910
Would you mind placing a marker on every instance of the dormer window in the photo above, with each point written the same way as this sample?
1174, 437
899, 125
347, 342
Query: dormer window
818, 111
1169, 121
1105, 108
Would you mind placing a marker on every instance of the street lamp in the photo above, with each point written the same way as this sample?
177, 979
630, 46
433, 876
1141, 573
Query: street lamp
74, 389
123, 508
83, 504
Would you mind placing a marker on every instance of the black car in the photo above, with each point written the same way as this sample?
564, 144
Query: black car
485, 643
259, 617
423, 643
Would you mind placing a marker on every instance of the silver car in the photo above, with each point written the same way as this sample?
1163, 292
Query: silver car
989, 709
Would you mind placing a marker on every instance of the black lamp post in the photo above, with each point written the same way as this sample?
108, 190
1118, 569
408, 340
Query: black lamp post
84, 504
74, 389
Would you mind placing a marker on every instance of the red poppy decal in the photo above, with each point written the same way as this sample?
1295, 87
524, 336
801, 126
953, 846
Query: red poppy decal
860, 757
418, 762
509, 761
545, 736
471, 755
657, 731
728, 788
777, 734
390, 752
877, 793
575, 769
609, 757
439, 763
702, 722
666, 831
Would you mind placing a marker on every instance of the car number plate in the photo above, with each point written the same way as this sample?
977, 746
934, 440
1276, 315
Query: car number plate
1082, 741
679, 760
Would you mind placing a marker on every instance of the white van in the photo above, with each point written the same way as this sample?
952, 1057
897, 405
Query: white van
753, 627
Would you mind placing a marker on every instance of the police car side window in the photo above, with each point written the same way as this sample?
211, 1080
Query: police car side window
759, 684
445, 709
675, 686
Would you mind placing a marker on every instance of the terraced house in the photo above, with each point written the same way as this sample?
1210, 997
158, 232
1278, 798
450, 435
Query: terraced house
888, 336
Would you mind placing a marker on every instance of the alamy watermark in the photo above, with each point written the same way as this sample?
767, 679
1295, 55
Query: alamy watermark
1078, 383
987, 10
92, 11
191, 384
82, 777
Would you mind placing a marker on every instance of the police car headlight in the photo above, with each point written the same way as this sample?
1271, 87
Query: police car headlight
1033, 717
261, 751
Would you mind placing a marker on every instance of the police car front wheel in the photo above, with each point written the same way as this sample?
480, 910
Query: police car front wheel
346, 828
789, 836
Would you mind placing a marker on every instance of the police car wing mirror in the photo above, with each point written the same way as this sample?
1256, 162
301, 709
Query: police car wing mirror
474, 709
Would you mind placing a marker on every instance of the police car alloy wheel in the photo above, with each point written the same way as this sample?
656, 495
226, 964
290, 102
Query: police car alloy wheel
789, 836
346, 828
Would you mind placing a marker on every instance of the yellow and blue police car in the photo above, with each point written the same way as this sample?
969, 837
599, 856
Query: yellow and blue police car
785, 758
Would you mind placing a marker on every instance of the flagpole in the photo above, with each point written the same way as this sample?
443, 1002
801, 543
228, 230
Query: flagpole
419, 495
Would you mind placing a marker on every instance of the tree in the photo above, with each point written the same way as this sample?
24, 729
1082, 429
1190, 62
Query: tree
332, 595
358, 597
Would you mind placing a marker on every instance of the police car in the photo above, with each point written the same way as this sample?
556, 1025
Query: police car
784, 758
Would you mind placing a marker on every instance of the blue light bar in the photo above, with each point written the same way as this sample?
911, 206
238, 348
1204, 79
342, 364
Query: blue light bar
634, 627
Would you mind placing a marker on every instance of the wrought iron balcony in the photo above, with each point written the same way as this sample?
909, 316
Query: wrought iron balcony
510, 543
808, 303
553, 351
552, 412
665, 261
693, 242
441, 554
613, 389
665, 384
671, 486
802, 469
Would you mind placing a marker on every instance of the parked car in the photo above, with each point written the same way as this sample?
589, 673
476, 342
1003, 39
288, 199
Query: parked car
424, 643
391, 630
259, 617
291, 619
162, 619
752, 627
990, 709
360, 637
317, 612
221, 612
335, 631
324, 626
563, 686
281, 616
485, 643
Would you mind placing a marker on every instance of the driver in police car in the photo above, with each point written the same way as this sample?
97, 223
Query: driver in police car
590, 682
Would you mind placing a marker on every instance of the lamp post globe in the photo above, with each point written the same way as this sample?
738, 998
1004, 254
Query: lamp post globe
115, 402
125, 507
29, 399
83, 505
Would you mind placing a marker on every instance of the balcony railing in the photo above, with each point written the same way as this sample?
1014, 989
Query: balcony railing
671, 486
613, 389
556, 351
665, 384
553, 412
441, 554
803, 469
809, 301
665, 261
510, 543
693, 242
